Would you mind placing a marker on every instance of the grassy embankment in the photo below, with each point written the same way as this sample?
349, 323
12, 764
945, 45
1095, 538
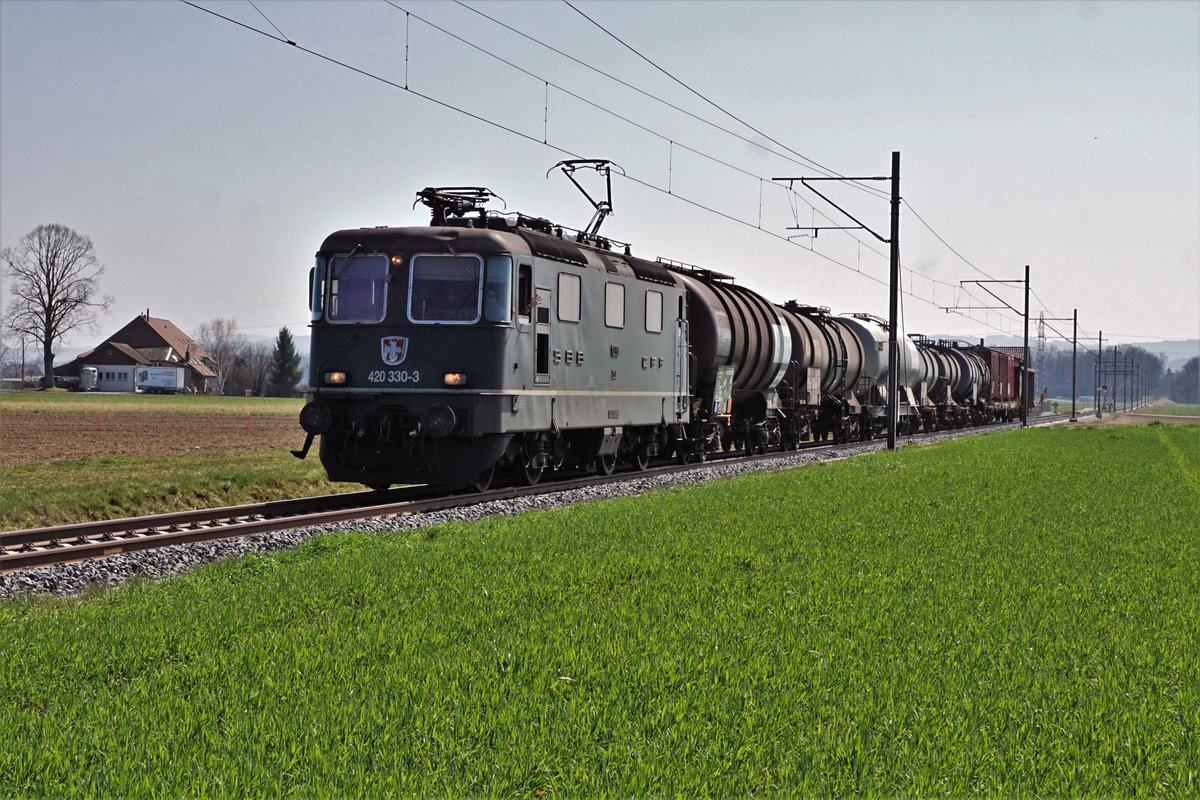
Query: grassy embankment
113, 486
1013, 615
1170, 407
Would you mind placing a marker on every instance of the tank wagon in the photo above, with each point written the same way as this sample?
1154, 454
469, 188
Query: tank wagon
489, 345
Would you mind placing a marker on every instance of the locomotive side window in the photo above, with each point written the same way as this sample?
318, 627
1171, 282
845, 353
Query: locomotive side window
316, 289
524, 292
568, 297
497, 290
614, 305
654, 311
445, 289
357, 288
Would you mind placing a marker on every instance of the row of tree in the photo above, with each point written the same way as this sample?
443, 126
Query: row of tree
243, 367
1182, 386
1054, 370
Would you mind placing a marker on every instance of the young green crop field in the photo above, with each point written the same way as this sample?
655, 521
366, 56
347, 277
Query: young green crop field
1005, 615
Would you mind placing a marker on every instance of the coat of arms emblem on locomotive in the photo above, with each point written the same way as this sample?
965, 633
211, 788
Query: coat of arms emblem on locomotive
393, 349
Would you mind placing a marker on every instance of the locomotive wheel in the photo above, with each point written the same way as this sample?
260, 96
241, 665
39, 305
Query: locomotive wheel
606, 464
640, 459
532, 475
683, 454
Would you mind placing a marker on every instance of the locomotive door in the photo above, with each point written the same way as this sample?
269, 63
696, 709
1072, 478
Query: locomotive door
541, 334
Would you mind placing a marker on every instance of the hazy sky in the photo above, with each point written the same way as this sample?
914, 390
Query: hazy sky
207, 162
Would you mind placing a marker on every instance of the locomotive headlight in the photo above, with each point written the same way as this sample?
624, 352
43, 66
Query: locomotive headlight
455, 379
334, 378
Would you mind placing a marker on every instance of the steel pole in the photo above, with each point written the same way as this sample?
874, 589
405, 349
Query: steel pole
893, 384
1099, 377
1025, 388
1074, 355
1125, 381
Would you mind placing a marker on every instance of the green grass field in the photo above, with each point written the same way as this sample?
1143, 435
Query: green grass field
1171, 407
1005, 615
113, 487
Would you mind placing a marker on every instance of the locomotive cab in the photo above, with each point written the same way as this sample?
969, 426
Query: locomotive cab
443, 354
407, 328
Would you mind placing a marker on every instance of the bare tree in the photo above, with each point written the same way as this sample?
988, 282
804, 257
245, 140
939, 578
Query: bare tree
6, 354
249, 371
258, 366
55, 276
221, 340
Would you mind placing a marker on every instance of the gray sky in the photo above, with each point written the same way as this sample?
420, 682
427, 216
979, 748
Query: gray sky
207, 162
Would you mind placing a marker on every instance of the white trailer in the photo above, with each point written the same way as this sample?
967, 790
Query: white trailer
159, 380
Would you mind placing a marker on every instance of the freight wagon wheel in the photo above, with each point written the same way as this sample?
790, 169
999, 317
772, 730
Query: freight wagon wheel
606, 464
532, 475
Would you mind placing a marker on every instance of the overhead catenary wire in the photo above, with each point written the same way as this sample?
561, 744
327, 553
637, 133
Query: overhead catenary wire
562, 150
507, 129
269, 22
629, 121
806, 161
789, 155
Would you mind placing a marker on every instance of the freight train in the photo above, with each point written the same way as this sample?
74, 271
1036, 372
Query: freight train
496, 346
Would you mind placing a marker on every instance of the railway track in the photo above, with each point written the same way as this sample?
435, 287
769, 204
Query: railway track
40, 547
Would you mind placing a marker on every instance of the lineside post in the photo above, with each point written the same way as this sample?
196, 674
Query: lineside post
893, 388
1025, 388
1074, 355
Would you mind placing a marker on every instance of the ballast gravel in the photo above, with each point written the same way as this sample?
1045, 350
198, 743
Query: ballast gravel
115, 570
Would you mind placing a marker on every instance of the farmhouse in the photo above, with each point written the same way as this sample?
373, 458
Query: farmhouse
145, 342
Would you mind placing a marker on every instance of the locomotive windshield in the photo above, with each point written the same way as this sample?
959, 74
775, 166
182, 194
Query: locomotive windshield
497, 291
357, 288
452, 289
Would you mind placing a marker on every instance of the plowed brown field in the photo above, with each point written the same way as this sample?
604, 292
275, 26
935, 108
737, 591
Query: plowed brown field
36, 437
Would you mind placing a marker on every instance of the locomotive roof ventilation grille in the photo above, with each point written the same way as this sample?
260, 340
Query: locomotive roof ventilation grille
609, 266
551, 247
650, 271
